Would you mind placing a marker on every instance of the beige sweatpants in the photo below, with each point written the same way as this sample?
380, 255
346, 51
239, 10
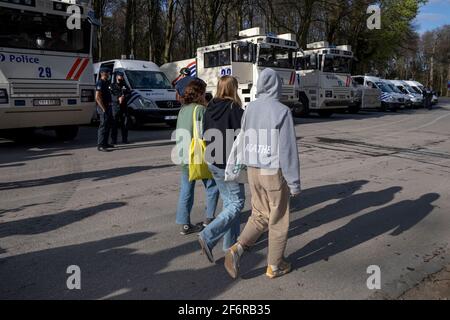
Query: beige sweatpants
270, 211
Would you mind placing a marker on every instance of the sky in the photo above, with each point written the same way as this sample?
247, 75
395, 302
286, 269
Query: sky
435, 13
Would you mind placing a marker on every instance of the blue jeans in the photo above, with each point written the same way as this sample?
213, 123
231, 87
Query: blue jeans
105, 126
227, 224
186, 198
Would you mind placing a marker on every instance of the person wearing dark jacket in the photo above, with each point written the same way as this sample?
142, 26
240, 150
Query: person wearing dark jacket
120, 93
222, 119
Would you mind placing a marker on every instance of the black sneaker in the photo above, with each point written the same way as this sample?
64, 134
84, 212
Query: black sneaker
190, 229
110, 146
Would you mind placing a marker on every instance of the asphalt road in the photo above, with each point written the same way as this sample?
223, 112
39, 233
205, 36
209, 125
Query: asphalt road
376, 192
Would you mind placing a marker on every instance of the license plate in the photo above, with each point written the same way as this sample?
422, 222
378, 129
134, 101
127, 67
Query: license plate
342, 96
171, 118
46, 102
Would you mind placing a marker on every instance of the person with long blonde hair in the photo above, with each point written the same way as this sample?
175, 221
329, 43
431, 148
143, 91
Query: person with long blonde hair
223, 117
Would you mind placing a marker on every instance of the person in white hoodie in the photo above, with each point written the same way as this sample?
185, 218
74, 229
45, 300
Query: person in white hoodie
271, 155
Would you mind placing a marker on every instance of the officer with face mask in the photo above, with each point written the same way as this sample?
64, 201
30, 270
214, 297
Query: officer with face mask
120, 93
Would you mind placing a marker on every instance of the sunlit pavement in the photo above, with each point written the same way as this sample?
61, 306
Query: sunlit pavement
376, 193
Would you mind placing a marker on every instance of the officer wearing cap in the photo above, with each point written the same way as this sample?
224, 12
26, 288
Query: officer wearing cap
120, 93
104, 100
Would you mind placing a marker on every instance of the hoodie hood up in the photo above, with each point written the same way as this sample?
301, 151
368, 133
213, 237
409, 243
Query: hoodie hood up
269, 85
218, 107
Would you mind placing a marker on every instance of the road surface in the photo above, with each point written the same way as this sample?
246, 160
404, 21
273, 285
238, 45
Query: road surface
376, 193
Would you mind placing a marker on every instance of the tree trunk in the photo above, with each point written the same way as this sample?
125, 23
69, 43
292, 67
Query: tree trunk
170, 24
99, 8
153, 30
128, 27
447, 82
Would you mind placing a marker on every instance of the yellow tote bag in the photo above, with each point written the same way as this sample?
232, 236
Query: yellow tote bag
198, 169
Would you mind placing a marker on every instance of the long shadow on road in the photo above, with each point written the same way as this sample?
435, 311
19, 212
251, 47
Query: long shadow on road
348, 205
95, 175
40, 145
395, 218
46, 223
112, 268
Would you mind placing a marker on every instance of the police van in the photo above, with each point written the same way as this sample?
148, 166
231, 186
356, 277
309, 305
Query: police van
408, 98
389, 99
420, 88
369, 92
153, 98
415, 96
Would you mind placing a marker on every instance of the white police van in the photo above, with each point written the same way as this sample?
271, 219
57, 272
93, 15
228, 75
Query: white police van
153, 98
416, 96
389, 98
420, 88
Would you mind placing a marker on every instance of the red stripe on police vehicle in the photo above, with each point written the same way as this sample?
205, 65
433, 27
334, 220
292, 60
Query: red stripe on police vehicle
82, 68
74, 68
348, 82
292, 80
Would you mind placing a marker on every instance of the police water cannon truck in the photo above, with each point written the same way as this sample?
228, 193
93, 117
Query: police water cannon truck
46, 74
324, 83
244, 59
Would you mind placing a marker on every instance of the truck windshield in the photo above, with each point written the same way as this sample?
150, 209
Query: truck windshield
147, 80
308, 62
242, 53
35, 30
337, 64
276, 57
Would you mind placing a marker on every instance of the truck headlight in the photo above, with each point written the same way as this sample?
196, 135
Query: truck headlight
3, 96
87, 95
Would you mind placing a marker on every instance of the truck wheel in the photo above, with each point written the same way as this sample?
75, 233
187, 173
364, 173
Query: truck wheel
66, 133
325, 113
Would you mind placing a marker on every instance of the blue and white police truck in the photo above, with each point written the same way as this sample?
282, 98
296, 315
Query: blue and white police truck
46, 74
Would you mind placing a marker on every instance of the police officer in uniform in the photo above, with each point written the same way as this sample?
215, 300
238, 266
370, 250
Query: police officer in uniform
120, 93
104, 100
